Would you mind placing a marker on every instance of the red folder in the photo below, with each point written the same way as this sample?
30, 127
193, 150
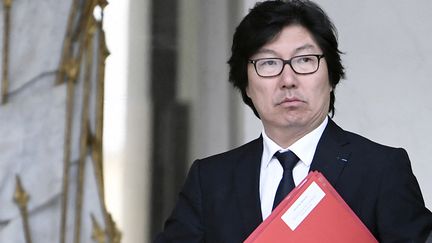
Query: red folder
312, 212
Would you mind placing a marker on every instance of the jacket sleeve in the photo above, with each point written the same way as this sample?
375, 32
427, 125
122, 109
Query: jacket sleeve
185, 223
401, 212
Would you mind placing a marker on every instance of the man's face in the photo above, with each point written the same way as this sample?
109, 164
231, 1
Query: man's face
291, 102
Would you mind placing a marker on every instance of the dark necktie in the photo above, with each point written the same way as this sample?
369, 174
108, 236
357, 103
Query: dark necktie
288, 160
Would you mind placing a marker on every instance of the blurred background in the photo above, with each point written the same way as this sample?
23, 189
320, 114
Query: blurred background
167, 100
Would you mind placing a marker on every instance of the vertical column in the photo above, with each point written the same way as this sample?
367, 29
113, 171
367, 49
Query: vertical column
137, 172
170, 116
211, 103
219, 119
115, 103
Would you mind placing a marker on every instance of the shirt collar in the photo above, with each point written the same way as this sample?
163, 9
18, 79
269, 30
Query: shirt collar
304, 148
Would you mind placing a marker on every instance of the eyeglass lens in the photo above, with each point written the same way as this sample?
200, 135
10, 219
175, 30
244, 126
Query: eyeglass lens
304, 64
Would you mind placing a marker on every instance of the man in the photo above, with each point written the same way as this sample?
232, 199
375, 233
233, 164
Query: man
286, 64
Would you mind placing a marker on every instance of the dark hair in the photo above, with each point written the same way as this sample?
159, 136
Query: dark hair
265, 21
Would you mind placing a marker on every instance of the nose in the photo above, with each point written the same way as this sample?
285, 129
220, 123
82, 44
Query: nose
288, 78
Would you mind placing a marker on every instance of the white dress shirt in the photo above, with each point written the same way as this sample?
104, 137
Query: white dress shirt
271, 169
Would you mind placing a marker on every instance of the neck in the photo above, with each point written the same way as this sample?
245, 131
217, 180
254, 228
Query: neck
288, 135
285, 138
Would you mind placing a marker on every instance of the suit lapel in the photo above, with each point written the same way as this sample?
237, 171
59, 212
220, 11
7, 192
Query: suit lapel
330, 158
332, 153
247, 185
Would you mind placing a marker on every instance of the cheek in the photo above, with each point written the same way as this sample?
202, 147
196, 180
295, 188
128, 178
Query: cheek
325, 79
324, 94
253, 92
323, 90
254, 89
258, 93
320, 93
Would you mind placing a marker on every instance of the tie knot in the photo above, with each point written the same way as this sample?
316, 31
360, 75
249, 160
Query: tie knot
287, 159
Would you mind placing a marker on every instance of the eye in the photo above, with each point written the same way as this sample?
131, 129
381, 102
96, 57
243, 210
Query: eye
305, 59
268, 62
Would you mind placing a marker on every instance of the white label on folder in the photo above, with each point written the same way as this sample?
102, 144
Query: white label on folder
301, 208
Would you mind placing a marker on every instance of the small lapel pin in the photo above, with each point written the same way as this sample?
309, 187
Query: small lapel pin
342, 159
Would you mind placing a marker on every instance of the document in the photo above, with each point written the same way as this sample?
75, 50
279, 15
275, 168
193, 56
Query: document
312, 212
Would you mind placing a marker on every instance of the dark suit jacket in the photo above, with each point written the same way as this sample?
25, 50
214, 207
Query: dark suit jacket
220, 199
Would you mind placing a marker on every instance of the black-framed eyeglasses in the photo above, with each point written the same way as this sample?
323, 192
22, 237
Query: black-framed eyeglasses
272, 67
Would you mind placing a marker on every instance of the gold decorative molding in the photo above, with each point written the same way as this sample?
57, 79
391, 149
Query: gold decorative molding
7, 4
67, 44
21, 198
78, 52
88, 65
113, 232
69, 68
98, 234
70, 97
97, 141
82, 38
102, 4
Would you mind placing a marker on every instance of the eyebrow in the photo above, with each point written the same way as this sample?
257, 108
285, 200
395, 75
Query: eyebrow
264, 50
297, 50
304, 47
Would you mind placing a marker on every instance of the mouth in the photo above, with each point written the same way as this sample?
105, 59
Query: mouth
290, 101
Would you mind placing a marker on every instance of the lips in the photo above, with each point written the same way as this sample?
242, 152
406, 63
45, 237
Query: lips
290, 101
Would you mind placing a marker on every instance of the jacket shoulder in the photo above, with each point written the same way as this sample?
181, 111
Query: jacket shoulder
231, 156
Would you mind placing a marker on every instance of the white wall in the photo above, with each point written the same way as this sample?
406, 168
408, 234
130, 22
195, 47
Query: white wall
387, 94
388, 60
203, 81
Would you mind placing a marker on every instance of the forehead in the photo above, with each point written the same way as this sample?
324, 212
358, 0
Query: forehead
291, 40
